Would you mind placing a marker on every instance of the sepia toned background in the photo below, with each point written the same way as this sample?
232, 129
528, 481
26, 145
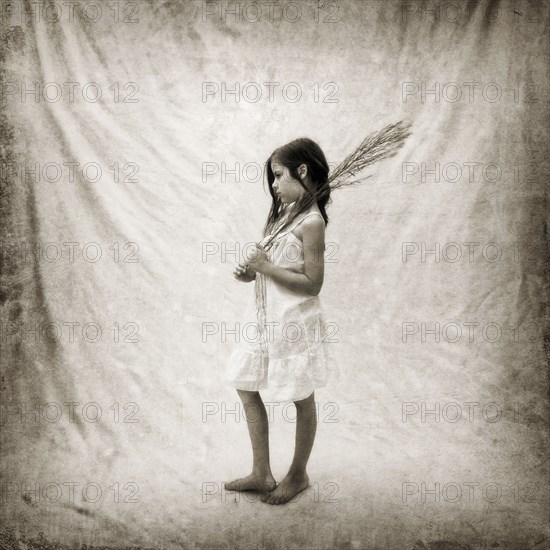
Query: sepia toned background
133, 139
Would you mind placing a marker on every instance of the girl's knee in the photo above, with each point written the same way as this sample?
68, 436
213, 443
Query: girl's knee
248, 396
305, 403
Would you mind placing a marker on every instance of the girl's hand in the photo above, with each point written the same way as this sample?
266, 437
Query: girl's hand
257, 259
244, 273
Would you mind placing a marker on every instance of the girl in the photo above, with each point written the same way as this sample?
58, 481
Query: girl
293, 358
288, 269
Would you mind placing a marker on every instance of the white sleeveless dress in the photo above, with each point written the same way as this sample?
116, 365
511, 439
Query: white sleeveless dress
285, 346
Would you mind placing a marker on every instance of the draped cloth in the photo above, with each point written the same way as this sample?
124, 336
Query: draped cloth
133, 140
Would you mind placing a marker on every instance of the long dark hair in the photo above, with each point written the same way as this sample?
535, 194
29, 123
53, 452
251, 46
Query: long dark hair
375, 147
291, 156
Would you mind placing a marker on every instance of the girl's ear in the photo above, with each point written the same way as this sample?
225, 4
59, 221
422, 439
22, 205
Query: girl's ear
302, 170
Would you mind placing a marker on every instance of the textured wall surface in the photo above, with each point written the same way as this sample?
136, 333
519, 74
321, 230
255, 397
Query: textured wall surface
435, 436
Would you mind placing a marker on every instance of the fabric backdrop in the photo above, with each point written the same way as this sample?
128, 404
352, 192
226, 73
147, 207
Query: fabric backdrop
133, 138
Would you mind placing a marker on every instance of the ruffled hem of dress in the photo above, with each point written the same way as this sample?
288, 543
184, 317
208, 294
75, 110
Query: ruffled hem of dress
247, 369
290, 378
297, 376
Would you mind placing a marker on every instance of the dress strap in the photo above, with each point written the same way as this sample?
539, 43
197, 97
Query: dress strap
281, 235
297, 224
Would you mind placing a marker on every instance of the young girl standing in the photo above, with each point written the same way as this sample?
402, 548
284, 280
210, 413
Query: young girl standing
290, 356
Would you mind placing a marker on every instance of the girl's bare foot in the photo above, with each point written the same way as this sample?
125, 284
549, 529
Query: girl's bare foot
253, 482
289, 487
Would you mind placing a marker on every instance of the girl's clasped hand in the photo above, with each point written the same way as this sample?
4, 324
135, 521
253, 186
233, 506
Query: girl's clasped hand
244, 273
256, 260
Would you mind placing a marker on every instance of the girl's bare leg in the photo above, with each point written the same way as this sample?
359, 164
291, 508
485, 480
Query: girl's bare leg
296, 479
261, 478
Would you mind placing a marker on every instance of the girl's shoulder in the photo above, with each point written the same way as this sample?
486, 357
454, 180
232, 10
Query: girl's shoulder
309, 221
313, 217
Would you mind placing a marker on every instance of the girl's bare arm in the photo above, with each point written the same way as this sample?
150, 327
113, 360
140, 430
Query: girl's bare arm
313, 243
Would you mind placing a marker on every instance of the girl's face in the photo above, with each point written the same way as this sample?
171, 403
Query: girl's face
285, 186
